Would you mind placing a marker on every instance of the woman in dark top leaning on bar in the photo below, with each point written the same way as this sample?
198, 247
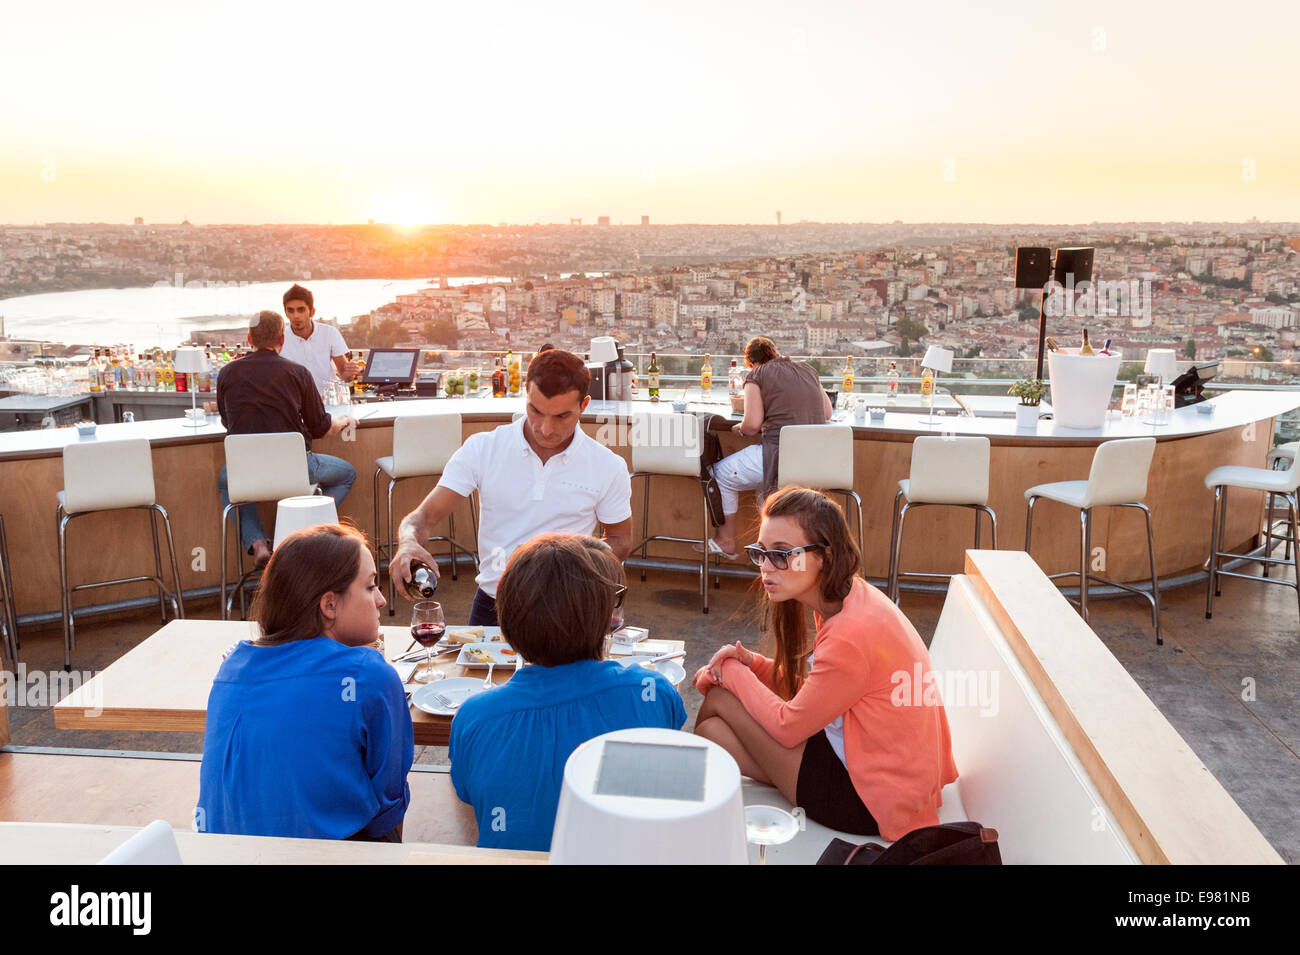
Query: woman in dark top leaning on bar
309, 732
778, 391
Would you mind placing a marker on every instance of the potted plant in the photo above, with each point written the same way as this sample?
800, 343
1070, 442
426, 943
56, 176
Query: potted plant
1030, 391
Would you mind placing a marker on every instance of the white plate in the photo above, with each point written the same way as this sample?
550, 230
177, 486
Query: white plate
499, 656
672, 669
454, 688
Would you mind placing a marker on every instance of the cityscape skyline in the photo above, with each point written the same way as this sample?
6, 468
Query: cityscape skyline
692, 114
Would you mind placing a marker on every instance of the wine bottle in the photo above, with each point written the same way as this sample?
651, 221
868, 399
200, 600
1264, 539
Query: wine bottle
424, 581
1085, 348
652, 376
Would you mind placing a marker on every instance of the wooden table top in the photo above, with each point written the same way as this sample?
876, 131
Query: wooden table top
162, 684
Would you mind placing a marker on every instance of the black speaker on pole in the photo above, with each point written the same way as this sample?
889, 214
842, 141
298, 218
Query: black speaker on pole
1076, 262
1033, 266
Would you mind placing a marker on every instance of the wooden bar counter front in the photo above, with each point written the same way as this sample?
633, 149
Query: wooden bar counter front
186, 462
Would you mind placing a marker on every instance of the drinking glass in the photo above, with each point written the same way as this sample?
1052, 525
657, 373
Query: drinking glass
1128, 404
1167, 393
768, 826
427, 627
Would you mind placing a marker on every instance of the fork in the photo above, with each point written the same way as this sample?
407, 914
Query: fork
445, 703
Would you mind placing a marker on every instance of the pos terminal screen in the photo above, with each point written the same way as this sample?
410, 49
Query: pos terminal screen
387, 365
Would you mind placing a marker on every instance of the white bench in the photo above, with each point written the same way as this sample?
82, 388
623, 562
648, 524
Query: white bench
1044, 720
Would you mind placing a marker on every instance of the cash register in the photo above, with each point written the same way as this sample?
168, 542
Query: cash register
390, 372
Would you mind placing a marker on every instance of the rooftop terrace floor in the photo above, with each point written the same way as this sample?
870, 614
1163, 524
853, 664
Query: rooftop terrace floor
1230, 686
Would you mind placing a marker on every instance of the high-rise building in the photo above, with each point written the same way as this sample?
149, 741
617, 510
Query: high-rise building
645, 220
602, 220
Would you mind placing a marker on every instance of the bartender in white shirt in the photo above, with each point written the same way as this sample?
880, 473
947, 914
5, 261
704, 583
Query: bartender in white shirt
314, 344
541, 473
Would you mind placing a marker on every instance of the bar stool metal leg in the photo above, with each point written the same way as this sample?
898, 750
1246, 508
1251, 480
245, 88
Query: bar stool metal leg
178, 603
157, 566
1155, 584
1029, 521
68, 634
898, 551
645, 525
1221, 547
1211, 582
1293, 506
1085, 552
7, 592
893, 537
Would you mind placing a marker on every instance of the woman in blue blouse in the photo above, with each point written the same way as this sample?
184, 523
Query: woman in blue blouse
308, 731
509, 745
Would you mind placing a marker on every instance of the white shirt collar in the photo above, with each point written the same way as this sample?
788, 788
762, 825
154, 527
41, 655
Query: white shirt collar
526, 449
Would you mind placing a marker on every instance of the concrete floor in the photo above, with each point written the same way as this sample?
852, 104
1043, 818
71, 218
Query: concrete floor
1230, 686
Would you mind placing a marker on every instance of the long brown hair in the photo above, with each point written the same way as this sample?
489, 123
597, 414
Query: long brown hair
305, 567
822, 520
556, 597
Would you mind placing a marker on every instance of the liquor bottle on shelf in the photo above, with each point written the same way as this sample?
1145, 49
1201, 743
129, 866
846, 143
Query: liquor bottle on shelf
159, 382
93, 381
733, 379
892, 378
652, 377
357, 387
498, 380
169, 374
1085, 348
847, 380
706, 376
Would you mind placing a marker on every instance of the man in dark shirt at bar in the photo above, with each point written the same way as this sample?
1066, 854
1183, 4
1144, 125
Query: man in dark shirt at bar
263, 393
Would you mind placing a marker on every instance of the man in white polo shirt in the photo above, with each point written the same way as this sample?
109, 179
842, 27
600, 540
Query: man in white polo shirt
541, 473
314, 344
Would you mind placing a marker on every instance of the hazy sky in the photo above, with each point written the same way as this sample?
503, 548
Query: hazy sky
684, 111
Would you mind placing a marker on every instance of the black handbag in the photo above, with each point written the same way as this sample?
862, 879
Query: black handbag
953, 843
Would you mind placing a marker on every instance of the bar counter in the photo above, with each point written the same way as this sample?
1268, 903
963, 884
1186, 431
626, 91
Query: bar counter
186, 461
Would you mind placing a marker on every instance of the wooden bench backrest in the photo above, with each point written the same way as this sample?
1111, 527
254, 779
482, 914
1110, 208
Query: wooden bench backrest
1167, 802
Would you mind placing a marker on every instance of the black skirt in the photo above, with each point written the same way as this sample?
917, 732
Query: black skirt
826, 792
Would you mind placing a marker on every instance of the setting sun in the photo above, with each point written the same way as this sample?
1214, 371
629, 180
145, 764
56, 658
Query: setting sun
409, 209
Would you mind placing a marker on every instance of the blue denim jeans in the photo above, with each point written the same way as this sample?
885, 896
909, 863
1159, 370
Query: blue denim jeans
334, 475
483, 612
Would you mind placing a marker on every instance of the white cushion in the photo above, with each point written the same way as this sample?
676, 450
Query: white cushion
103, 475
385, 465
1256, 479
949, 470
266, 467
1284, 452
816, 455
1074, 493
422, 445
667, 443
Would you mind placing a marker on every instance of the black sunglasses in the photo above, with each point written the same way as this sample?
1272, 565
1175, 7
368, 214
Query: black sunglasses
780, 559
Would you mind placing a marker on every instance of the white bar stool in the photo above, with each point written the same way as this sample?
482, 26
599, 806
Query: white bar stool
422, 446
1254, 479
1118, 479
293, 514
109, 476
949, 471
8, 612
669, 445
259, 467
1281, 457
820, 456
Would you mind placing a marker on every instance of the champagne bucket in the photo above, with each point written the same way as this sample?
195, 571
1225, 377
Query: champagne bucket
1081, 387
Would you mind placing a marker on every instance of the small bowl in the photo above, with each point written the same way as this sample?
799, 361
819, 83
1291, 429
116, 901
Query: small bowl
679, 406
86, 429
877, 414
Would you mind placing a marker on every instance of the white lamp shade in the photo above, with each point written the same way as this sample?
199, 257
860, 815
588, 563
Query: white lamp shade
602, 828
1162, 362
308, 510
604, 349
191, 360
937, 359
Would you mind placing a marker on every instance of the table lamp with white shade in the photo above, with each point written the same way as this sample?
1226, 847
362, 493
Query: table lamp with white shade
650, 797
191, 361
937, 359
1162, 363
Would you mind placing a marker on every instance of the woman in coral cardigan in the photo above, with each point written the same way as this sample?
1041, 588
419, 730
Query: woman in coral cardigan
827, 724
